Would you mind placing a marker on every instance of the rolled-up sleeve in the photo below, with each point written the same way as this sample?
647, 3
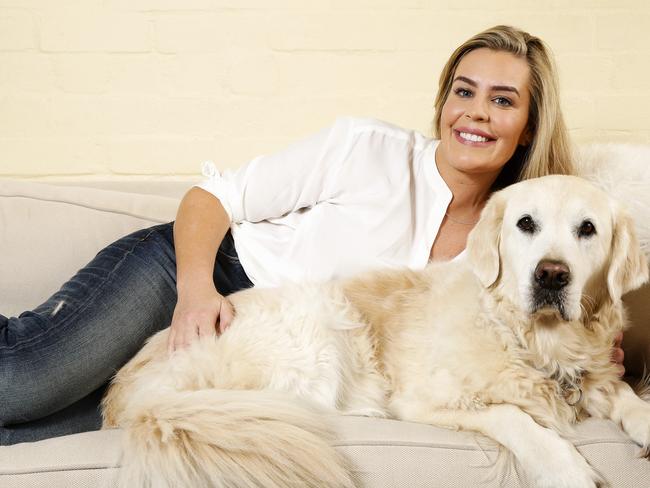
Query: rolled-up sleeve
218, 185
271, 186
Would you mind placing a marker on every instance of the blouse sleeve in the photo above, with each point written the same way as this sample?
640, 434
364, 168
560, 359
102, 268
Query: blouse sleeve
272, 186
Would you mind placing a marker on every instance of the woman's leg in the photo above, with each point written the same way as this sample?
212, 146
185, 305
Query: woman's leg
82, 416
54, 359
59, 353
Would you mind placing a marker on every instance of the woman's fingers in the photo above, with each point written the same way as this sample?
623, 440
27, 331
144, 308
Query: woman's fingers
194, 317
207, 327
226, 314
170, 340
618, 339
618, 355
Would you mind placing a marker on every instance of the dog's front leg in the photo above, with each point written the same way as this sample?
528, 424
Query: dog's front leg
548, 460
624, 407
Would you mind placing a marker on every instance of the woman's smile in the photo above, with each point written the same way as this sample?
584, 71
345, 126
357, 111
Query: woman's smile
473, 137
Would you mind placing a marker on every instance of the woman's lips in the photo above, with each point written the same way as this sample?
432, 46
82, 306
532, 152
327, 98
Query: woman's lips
472, 139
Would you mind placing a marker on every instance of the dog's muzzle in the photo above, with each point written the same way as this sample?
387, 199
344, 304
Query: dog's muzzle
549, 281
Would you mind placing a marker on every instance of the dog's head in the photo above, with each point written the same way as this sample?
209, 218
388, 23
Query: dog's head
545, 243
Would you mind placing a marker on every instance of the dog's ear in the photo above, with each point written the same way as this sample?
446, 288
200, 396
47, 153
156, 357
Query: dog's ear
483, 241
628, 268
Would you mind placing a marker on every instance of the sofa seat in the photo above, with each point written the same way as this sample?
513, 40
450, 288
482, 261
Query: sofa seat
383, 454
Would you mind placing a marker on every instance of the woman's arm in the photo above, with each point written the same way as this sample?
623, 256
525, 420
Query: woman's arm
201, 224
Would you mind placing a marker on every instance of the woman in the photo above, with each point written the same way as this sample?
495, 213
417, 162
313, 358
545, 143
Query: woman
360, 194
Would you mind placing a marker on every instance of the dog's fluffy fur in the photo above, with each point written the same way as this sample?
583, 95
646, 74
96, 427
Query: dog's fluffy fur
466, 345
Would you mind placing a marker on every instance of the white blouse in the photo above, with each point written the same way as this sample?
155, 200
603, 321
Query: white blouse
361, 194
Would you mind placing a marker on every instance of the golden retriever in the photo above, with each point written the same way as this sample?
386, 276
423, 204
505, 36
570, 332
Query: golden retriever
513, 342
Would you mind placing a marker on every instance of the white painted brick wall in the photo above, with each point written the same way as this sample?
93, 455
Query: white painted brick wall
136, 87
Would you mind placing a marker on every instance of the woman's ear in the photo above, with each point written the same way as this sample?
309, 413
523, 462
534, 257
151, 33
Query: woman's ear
628, 268
483, 241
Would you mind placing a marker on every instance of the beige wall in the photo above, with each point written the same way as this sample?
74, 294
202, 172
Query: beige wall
133, 87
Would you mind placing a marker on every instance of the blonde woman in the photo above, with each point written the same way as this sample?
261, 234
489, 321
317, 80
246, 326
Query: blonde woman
358, 195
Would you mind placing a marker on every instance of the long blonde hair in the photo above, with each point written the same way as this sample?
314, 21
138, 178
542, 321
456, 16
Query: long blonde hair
549, 151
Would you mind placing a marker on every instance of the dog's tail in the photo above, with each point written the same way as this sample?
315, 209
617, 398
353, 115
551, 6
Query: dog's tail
229, 439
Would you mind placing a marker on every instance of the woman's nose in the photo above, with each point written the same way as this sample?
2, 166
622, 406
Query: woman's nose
477, 110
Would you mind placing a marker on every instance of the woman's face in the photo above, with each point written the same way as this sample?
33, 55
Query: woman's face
486, 112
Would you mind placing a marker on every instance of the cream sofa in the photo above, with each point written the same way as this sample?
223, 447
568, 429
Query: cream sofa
47, 231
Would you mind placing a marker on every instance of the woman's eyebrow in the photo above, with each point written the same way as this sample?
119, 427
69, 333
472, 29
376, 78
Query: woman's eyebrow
471, 82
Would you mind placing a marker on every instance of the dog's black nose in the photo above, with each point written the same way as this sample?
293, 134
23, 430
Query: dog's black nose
552, 275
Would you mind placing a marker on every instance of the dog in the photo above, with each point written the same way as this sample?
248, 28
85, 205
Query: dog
512, 341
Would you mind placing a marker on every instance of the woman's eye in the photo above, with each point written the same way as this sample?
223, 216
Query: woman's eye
586, 229
527, 224
506, 102
462, 92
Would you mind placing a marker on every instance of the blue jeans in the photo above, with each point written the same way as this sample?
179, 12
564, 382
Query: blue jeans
56, 360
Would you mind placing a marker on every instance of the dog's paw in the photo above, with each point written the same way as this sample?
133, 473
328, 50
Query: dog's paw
636, 423
566, 469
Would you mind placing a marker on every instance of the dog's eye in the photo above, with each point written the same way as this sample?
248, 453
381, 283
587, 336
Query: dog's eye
527, 224
586, 229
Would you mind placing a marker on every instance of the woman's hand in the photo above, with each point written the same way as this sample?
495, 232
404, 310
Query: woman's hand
199, 313
617, 353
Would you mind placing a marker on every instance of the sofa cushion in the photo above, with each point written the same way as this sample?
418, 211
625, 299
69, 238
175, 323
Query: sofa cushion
382, 454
